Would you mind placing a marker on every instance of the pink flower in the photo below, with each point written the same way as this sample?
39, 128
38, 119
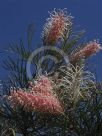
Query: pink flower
56, 26
40, 98
90, 49
35, 102
42, 85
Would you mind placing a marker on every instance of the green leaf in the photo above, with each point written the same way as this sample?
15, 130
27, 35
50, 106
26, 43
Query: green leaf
72, 42
30, 33
8, 132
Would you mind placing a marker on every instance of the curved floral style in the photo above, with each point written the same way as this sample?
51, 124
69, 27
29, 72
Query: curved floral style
42, 85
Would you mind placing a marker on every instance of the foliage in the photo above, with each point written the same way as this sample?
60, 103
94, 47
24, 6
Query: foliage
71, 85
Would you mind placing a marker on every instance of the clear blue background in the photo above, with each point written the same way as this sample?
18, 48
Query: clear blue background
15, 15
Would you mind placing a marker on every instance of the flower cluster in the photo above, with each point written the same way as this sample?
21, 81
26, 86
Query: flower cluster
42, 85
90, 49
56, 26
40, 98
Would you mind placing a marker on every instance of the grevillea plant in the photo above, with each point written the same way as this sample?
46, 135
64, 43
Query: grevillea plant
66, 101
56, 27
75, 83
41, 85
87, 51
39, 98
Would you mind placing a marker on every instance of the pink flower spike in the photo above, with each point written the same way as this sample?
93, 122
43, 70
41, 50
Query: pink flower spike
89, 50
35, 102
56, 26
40, 98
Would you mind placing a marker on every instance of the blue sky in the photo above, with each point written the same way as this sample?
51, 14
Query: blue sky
15, 15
